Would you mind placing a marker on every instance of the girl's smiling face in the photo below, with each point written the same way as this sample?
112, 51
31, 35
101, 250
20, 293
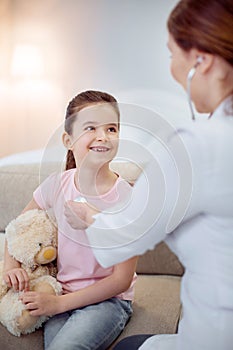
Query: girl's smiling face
95, 135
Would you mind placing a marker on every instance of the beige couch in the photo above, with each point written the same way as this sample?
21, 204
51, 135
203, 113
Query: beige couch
157, 304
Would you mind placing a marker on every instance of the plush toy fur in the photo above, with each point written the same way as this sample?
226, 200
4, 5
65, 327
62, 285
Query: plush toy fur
32, 240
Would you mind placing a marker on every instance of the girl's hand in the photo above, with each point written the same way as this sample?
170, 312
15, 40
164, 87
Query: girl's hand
40, 304
16, 278
79, 215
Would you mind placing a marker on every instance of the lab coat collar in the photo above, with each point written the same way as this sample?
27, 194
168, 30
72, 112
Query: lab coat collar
224, 109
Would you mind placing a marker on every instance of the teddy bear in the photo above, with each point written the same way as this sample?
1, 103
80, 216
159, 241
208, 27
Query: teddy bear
32, 240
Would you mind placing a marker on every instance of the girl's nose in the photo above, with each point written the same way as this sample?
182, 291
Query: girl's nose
101, 134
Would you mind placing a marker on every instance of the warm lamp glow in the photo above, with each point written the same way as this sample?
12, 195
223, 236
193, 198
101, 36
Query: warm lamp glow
27, 62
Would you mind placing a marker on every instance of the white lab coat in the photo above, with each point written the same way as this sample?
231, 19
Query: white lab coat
190, 205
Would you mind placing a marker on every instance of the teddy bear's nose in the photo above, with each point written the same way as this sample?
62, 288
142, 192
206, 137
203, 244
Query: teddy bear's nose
49, 253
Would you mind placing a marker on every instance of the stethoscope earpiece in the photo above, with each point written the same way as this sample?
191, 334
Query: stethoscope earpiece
189, 78
199, 60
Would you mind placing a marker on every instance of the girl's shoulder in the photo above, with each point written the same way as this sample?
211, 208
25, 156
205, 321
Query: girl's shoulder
59, 177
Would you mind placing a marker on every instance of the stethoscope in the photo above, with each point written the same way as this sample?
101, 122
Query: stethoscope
189, 79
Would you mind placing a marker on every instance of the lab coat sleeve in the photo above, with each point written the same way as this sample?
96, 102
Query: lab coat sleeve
158, 203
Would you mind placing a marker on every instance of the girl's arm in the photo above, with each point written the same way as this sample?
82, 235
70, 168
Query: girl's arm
13, 275
108, 287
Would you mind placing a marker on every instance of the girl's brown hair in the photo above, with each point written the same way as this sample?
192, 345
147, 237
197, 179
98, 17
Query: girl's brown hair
205, 25
79, 102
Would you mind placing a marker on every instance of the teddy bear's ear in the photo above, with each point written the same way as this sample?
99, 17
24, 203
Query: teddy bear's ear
28, 233
11, 231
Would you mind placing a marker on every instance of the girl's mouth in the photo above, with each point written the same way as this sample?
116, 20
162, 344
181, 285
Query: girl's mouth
99, 149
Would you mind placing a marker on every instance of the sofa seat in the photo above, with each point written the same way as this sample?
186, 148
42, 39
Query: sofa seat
156, 311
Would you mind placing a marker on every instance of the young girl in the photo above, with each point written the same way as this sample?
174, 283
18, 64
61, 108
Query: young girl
96, 302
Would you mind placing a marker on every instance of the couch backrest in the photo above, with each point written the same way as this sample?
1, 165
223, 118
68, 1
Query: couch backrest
17, 183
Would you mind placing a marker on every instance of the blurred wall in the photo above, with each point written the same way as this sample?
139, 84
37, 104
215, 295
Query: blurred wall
114, 45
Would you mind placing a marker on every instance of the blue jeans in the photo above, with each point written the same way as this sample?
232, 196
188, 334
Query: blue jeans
93, 327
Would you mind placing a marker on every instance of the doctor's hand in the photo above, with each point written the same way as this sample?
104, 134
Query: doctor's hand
79, 215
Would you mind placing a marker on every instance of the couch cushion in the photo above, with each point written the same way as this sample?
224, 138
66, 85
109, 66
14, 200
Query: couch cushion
157, 305
161, 261
156, 308
33, 341
156, 311
17, 183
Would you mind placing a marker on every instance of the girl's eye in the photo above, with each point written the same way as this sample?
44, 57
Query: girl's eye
89, 128
112, 129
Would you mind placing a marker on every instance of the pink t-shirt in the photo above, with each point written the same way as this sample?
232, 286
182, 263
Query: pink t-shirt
77, 266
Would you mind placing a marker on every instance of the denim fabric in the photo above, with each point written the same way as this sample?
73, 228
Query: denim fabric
93, 327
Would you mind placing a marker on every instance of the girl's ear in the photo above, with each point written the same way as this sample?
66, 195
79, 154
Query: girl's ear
66, 139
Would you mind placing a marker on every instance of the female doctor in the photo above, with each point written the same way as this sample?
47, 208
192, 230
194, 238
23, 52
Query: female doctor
191, 210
